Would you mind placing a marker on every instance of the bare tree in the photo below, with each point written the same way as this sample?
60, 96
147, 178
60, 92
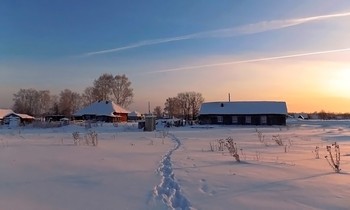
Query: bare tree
196, 100
186, 105
158, 112
31, 101
108, 87
122, 91
24, 101
172, 107
103, 87
89, 96
54, 105
69, 102
43, 103
184, 101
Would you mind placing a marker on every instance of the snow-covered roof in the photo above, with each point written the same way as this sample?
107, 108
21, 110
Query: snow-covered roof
22, 116
25, 116
244, 107
102, 108
134, 114
4, 112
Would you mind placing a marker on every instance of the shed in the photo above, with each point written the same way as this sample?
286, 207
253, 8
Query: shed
3, 113
102, 110
244, 113
22, 118
134, 115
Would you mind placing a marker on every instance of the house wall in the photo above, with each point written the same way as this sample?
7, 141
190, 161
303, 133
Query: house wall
22, 121
268, 119
122, 118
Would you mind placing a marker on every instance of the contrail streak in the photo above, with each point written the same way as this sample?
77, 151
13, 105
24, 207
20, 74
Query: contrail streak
226, 32
247, 61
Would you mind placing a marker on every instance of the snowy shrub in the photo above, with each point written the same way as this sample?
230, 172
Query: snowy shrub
217, 145
232, 148
261, 137
317, 154
334, 162
90, 138
221, 144
76, 138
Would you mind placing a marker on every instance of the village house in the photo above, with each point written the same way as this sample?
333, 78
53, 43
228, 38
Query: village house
105, 111
244, 113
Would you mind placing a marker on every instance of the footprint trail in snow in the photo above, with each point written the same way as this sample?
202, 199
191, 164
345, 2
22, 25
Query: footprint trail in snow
169, 190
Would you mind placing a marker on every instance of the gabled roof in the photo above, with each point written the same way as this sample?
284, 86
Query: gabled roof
244, 107
4, 112
102, 108
22, 116
25, 116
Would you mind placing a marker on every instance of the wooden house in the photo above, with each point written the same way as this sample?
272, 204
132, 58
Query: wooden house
105, 111
19, 119
244, 113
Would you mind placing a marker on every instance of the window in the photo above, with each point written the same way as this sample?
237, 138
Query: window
220, 119
234, 120
263, 120
248, 119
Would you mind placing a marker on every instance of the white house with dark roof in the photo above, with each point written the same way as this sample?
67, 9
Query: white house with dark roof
244, 113
102, 110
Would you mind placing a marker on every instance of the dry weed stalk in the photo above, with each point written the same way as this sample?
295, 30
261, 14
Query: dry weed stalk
232, 148
334, 162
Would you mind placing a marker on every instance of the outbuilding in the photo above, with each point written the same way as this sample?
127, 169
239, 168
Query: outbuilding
19, 119
244, 113
102, 110
4, 113
134, 115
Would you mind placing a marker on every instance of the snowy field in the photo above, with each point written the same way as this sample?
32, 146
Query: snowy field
179, 168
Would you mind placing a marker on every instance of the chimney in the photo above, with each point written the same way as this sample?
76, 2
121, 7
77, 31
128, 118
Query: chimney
229, 97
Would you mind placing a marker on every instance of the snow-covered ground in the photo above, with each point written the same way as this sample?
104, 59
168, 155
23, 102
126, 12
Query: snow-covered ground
175, 168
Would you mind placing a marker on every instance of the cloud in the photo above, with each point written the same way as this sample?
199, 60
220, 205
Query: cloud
184, 68
226, 32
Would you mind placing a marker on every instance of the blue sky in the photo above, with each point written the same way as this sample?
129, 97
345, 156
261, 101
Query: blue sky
167, 47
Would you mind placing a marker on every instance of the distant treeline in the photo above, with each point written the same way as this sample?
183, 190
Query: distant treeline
322, 115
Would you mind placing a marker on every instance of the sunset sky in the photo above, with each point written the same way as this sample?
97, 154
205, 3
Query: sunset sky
286, 50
